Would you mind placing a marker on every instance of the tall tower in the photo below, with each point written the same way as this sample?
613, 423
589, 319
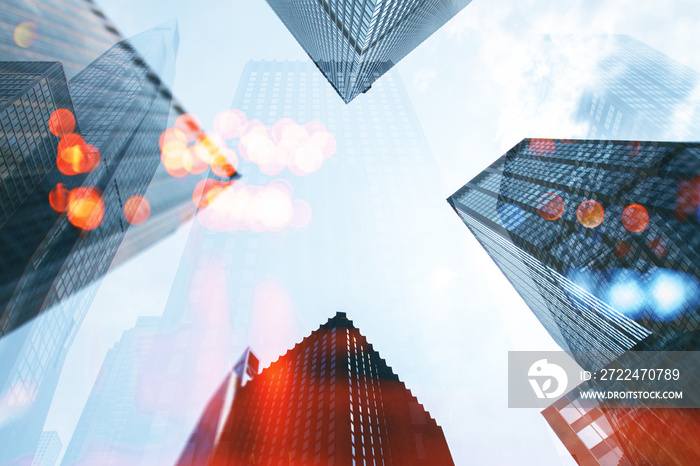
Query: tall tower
592, 234
354, 42
365, 195
121, 107
330, 400
639, 93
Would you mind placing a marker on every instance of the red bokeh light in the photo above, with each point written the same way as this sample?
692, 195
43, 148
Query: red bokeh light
190, 125
550, 206
85, 207
61, 122
58, 198
590, 213
635, 218
542, 146
137, 209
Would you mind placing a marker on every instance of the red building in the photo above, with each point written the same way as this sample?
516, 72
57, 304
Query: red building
331, 400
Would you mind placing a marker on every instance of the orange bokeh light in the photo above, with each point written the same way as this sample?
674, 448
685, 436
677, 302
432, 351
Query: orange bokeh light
590, 213
550, 206
635, 218
190, 125
171, 135
224, 164
634, 148
58, 198
85, 207
207, 190
172, 156
137, 209
61, 122
542, 146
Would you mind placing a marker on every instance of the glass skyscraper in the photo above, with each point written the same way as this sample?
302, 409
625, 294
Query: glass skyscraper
329, 400
354, 42
639, 93
121, 107
591, 234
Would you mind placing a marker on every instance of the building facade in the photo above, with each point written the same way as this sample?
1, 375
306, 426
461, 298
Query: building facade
639, 93
48, 450
329, 400
121, 107
354, 42
591, 234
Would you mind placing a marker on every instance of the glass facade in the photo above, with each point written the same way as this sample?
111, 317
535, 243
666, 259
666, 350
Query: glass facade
591, 233
329, 400
121, 107
354, 42
640, 94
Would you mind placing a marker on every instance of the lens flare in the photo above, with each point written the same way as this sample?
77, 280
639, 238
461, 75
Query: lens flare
58, 198
137, 209
61, 122
85, 207
25, 34
542, 146
229, 123
550, 206
590, 213
635, 218
190, 125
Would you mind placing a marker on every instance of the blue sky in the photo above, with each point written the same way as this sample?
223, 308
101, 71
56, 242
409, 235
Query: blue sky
474, 85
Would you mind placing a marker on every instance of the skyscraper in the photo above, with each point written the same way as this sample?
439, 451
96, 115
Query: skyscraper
639, 93
354, 42
329, 400
235, 289
121, 107
48, 450
591, 234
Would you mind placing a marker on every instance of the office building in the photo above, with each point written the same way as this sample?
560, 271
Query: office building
639, 93
329, 400
61, 261
354, 42
48, 450
73, 32
599, 238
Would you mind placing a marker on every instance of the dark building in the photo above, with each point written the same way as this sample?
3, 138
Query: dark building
354, 42
329, 400
121, 106
599, 238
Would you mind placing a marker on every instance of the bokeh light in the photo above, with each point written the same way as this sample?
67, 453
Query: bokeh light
190, 125
658, 245
224, 164
137, 209
25, 34
625, 293
85, 207
622, 248
58, 198
173, 157
61, 122
590, 213
671, 292
230, 123
237, 206
542, 146
550, 206
171, 135
635, 218
633, 148
511, 215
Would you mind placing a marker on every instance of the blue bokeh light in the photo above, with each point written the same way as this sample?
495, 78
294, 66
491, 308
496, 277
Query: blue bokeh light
626, 294
671, 292
511, 215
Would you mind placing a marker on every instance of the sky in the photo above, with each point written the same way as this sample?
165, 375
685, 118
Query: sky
476, 88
